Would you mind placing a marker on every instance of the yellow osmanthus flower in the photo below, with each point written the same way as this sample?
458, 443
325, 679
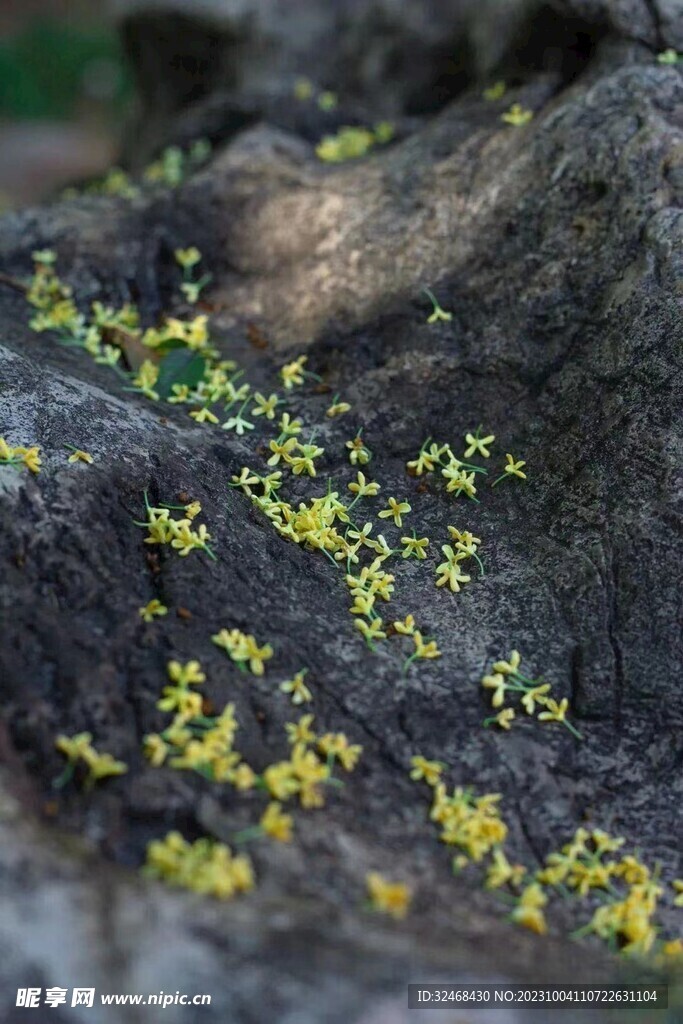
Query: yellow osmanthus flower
335, 745
359, 453
478, 445
78, 455
449, 572
288, 426
79, 748
529, 909
204, 415
303, 89
265, 406
187, 258
430, 771
678, 888
297, 689
30, 457
152, 610
495, 92
205, 866
300, 732
276, 824
500, 872
244, 649
293, 373
517, 115
146, 378
405, 627
415, 547
337, 409
394, 510
513, 468
425, 648
392, 898
371, 630
505, 718
362, 488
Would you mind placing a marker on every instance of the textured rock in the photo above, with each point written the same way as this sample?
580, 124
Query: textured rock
557, 247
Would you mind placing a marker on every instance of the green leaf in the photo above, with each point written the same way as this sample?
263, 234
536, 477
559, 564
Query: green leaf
181, 366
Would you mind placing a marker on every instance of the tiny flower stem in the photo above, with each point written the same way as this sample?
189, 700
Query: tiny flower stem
504, 476
253, 832
479, 562
66, 777
573, 731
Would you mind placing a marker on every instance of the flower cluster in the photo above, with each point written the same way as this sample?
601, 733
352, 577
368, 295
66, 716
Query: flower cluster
244, 650
162, 528
628, 889
79, 748
535, 694
459, 475
353, 142
19, 456
424, 647
205, 866
470, 823
194, 741
187, 260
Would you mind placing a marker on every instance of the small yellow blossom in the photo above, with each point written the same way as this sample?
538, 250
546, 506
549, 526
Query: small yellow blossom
293, 373
187, 258
507, 668
265, 406
517, 115
359, 454
362, 489
396, 510
505, 718
276, 824
529, 912
300, 732
556, 712
297, 689
204, 415
512, 468
288, 426
303, 89
155, 749
500, 872
370, 630
478, 445
678, 888
388, 897
495, 92
336, 745
407, 627
337, 409
153, 609
80, 456
415, 547
430, 771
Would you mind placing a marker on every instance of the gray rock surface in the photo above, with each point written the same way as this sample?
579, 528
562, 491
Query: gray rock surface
558, 248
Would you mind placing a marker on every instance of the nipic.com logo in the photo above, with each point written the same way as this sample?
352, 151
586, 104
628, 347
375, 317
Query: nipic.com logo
30, 997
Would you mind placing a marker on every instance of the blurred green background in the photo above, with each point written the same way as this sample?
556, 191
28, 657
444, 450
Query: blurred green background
64, 90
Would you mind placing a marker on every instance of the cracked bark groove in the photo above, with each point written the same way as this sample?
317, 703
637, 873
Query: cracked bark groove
557, 247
